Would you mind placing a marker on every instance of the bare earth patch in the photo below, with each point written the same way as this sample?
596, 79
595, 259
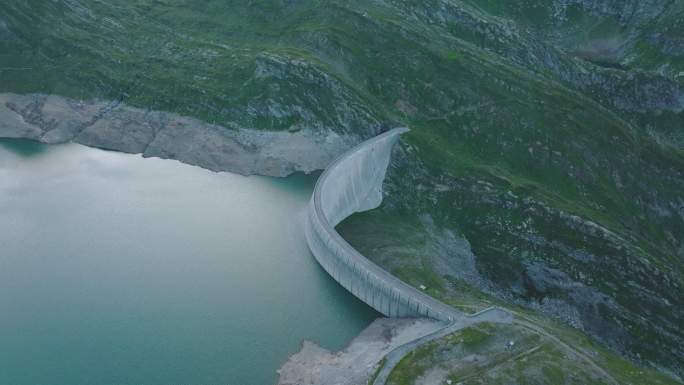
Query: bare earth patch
314, 365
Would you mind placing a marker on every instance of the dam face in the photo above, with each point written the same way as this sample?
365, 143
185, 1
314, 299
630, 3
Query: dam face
353, 183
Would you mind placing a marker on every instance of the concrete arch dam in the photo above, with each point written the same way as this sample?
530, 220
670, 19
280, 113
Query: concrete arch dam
353, 183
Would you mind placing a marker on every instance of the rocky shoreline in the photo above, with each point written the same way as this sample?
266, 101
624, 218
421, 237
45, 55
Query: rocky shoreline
113, 125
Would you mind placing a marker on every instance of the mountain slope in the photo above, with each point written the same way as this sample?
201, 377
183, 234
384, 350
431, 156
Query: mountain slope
545, 166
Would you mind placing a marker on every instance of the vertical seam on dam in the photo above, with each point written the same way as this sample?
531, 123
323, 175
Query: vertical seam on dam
353, 183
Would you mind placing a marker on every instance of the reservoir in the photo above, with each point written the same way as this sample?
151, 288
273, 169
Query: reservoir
120, 270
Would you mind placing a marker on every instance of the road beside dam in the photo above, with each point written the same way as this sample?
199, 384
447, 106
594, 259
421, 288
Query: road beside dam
353, 183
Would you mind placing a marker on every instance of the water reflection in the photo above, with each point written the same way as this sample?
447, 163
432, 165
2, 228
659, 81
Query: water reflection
116, 269
23, 147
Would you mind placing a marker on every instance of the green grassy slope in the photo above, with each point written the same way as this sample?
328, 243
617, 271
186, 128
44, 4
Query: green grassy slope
545, 166
216, 60
510, 354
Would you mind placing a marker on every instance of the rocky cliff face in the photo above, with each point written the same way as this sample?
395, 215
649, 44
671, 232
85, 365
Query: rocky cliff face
520, 249
545, 160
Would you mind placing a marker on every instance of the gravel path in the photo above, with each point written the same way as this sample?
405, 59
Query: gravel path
314, 365
493, 315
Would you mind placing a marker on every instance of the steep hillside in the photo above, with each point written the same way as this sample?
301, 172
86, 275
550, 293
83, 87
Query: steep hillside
545, 166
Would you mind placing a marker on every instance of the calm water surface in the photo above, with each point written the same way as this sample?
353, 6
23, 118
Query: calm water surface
119, 270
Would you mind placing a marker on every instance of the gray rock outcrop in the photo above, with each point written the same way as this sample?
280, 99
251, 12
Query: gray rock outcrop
112, 125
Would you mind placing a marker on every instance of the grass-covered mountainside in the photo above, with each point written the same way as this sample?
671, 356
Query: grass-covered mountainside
545, 166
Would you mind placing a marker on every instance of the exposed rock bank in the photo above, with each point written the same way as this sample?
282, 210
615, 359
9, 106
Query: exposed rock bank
314, 365
115, 126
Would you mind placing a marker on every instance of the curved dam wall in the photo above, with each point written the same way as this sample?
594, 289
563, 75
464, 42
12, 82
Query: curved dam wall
353, 183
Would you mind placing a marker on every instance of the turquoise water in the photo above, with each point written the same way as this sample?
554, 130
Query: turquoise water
119, 270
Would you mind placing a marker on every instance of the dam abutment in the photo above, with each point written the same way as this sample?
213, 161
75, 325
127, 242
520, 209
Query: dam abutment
353, 183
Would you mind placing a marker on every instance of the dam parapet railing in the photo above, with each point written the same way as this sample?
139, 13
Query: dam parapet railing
353, 183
